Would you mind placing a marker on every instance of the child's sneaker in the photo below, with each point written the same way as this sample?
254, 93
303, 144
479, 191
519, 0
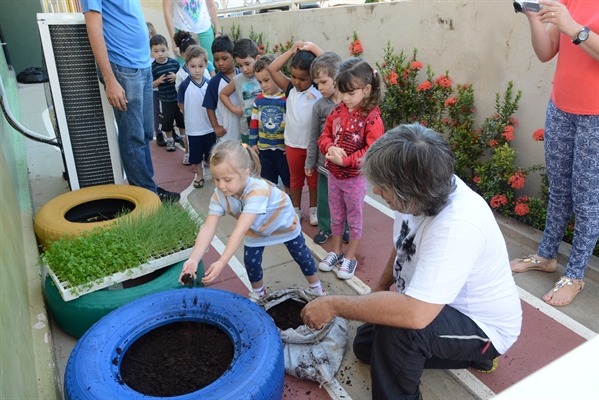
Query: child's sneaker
330, 261
186, 159
322, 236
347, 269
170, 144
299, 213
313, 216
160, 139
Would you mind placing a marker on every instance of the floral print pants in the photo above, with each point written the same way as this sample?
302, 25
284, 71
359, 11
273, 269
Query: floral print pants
572, 159
346, 201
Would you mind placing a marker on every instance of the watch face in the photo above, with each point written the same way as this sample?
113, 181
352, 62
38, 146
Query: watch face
583, 35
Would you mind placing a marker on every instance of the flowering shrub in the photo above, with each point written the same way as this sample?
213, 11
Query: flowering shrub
355, 47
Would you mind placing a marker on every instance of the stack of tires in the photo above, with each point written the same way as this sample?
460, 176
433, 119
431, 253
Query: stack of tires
83, 210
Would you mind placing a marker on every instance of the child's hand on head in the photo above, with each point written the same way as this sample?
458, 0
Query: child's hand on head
297, 46
213, 271
307, 46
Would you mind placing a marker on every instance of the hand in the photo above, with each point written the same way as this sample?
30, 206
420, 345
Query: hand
213, 271
255, 147
308, 172
161, 79
336, 150
335, 155
557, 14
308, 46
318, 312
171, 77
238, 111
116, 95
297, 46
190, 267
220, 131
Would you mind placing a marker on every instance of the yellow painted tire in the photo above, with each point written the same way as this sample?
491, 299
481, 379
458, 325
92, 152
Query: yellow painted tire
85, 209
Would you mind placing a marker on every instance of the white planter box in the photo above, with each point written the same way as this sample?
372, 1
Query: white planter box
69, 293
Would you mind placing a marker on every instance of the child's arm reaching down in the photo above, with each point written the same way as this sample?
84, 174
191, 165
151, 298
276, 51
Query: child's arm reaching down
202, 242
244, 223
224, 97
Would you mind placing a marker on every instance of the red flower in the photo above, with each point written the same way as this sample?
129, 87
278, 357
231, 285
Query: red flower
473, 109
522, 199
450, 101
276, 46
521, 209
493, 143
508, 133
355, 48
393, 77
446, 121
405, 73
539, 135
513, 121
426, 85
444, 81
517, 180
422, 122
476, 179
498, 200
384, 65
416, 65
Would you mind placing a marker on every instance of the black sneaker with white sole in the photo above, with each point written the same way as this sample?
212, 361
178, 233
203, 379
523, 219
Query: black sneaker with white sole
322, 236
168, 197
160, 139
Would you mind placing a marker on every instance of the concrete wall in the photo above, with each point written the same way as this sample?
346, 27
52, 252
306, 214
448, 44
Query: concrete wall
26, 356
19, 23
480, 42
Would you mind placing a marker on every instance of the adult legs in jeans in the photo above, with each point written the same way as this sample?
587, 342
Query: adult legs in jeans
136, 125
398, 356
571, 148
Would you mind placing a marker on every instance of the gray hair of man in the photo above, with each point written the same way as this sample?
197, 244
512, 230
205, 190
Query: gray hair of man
414, 163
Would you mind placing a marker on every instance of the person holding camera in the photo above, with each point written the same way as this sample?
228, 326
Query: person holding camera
571, 139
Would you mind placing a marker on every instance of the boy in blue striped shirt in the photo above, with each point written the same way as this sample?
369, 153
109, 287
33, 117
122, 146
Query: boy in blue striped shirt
164, 70
267, 125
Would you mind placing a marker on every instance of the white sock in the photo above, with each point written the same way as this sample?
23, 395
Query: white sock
261, 291
317, 287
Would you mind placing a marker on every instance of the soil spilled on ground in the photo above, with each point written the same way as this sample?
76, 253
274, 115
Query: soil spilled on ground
176, 359
287, 314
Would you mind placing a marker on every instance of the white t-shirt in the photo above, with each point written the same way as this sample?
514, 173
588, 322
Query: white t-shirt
183, 73
299, 117
191, 16
459, 258
192, 94
276, 221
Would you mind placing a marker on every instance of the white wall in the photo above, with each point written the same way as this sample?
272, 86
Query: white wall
480, 42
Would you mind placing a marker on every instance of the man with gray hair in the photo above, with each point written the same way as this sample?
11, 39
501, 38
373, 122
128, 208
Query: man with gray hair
455, 303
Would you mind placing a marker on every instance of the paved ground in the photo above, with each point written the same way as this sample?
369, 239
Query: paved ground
547, 333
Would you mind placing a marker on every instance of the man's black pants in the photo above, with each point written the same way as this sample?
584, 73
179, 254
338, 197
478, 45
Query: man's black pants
398, 356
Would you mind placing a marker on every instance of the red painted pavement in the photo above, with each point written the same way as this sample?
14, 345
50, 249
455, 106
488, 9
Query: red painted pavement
542, 339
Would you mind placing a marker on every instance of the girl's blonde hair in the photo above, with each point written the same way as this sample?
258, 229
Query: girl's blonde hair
355, 73
239, 156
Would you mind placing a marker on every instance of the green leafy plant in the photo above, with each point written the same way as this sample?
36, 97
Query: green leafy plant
128, 243
259, 39
235, 32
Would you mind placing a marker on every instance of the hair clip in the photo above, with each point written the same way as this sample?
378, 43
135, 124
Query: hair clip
245, 146
374, 72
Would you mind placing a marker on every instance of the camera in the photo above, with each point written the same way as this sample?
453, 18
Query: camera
523, 6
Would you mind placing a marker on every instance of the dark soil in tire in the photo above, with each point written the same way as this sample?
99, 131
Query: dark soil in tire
287, 314
176, 359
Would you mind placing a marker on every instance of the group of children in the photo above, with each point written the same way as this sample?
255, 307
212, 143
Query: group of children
314, 126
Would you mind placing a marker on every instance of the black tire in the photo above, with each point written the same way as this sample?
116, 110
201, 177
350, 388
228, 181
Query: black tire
85, 209
75, 317
256, 372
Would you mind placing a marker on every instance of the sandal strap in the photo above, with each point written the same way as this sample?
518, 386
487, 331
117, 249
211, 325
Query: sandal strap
531, 259
565, 281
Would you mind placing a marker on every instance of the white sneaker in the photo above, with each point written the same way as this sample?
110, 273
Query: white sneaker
347, 269
330, 261
313, 216
299, 213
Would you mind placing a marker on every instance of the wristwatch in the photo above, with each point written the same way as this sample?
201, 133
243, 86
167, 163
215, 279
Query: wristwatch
581, 36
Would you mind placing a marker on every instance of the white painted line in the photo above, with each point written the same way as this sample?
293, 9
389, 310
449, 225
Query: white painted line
558, 316
472, 383
336, 391
379, 206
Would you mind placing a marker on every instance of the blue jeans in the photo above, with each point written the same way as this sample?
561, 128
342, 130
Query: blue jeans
571, 150
135, 125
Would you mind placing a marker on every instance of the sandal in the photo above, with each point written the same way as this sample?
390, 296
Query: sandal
531, 262
186, 159
198, 184
563, 282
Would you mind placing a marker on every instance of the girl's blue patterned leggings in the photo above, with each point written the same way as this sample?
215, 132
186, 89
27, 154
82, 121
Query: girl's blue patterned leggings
572, 159
252, 258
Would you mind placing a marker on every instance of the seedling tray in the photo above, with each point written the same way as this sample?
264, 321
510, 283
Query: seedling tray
69, 292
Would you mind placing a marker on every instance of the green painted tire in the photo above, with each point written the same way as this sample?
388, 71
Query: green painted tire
75, 317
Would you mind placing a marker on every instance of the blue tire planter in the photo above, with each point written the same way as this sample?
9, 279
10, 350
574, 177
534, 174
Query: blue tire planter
256, 372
